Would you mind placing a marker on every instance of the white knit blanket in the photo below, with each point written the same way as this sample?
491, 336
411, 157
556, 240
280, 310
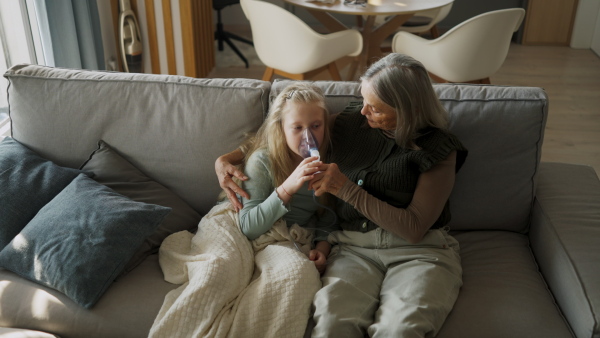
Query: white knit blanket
232, 287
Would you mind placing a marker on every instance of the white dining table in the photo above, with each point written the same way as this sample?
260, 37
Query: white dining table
373, 36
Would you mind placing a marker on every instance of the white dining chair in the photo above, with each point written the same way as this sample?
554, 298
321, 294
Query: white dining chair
290, 48
423, 21
470, 52
426, 21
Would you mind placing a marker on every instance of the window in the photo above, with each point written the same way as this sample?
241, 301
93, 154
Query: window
47, 32
18, 46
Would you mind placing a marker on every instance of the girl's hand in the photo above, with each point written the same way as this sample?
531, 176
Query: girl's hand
329, 180
304, 172
225, 172
319, 255
319, 258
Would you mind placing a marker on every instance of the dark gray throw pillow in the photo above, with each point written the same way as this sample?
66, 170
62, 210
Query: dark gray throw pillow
80, 241
114, 171
27, 183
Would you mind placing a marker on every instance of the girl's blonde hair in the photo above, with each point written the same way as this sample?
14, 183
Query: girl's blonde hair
403, 83
272, 137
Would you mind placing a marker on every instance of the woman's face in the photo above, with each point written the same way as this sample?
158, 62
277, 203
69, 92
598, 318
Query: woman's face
379, 114
299, 116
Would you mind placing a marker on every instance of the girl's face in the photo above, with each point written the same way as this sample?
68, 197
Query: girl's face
379, 114
299, 116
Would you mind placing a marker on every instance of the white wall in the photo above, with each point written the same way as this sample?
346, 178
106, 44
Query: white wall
596, 37
585, 27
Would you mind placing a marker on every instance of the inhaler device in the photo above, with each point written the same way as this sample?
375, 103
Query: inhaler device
308, 145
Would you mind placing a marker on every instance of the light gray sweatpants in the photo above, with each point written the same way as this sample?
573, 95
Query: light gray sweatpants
378, 284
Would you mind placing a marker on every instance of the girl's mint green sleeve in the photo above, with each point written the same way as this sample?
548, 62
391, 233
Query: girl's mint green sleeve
263, 207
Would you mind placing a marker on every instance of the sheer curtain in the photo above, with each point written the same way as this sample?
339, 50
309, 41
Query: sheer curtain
70, 33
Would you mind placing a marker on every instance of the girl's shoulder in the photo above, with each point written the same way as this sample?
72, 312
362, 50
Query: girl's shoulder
259, 158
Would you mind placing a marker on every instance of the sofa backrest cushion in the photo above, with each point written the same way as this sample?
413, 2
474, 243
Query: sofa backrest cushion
503, 129
172, 128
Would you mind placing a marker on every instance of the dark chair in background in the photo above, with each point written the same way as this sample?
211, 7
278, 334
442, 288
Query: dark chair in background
223, 36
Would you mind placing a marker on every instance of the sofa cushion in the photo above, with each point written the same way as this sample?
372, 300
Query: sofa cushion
81, 240
115, 172
503, 128
337, 94
503, 292
126, 310
172, 128
564, 235
27, 183
7, 332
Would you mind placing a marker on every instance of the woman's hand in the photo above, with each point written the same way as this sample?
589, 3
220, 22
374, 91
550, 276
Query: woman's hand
225, 172
329, 180
304, 172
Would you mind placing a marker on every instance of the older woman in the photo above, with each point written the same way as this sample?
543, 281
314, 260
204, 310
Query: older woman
396, 271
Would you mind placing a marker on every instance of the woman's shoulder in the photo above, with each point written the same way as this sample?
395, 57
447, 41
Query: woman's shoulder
350, 114
432, 137
353, 107
436, 144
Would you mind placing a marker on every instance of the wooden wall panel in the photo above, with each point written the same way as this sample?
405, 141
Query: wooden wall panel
187, 36
169, 39
152, 36
205, 42
549, 22
197, 31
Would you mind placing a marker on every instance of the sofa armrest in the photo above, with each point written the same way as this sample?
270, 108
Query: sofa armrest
565, 239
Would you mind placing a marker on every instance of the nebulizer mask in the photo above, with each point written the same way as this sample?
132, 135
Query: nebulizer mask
308, 145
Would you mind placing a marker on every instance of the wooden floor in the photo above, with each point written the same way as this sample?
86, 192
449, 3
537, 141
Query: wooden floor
571, 77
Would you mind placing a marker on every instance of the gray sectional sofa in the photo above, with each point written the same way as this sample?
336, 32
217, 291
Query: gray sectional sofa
529, 232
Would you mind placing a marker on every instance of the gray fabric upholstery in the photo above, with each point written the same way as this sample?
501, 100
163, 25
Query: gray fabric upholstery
113, 171
172, 128
80, 241
27, 183
127, 309
503, 294
565, 231
22, 333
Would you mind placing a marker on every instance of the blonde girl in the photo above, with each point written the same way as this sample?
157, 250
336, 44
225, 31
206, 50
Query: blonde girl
279, 175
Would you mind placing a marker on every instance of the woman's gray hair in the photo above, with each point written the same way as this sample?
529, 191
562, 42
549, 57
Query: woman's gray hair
403, 83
